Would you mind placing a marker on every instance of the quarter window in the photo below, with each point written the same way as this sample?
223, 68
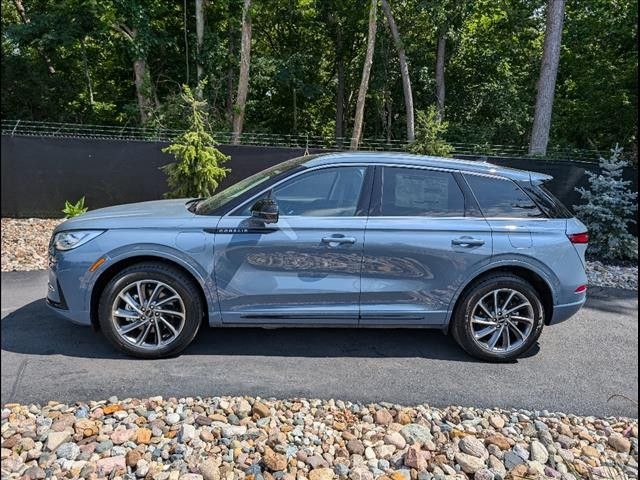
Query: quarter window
328, 192
500, 197
416, 192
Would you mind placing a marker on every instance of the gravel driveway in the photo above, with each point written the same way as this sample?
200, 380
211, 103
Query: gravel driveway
579, 365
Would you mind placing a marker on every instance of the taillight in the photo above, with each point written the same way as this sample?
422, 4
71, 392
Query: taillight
579, 237
581, 289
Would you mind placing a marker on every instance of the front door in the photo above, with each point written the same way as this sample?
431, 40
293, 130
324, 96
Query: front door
421, 242
305, 268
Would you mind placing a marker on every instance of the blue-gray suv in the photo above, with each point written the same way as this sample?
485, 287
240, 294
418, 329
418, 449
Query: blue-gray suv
335, 240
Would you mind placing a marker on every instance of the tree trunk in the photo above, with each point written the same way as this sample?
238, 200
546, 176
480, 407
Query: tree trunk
199, 40
340, 88
440, 82
404, 70
87, 75
366, 71
295, 111
23, 16
230, 72
186, 40
243, 78
143, 89
547, 80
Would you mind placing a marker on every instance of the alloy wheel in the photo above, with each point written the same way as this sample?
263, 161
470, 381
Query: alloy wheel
502, 320
148, 314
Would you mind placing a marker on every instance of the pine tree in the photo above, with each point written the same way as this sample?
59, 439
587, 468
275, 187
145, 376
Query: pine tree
609, 209
197, 170
430, 131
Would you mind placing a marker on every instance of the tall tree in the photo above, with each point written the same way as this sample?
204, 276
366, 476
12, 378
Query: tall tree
25, 19
243, 78
366, 71
404, 70
199, 40
440, 81
548, 75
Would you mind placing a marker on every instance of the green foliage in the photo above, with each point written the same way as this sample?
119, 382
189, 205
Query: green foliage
430, 131
74, 209
197, 170
608, 209
492, 65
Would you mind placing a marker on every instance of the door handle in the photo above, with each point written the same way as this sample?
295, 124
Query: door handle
467, 242
338, 240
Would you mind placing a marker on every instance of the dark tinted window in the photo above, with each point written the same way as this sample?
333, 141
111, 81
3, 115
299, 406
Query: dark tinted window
420, 193
502, 198
547, 202
329, 192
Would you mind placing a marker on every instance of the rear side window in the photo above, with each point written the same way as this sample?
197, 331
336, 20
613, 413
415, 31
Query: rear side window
499, 197
412, 192
553, 207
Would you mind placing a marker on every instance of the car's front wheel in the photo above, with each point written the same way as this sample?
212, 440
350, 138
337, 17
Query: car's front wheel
150, 310
499, 318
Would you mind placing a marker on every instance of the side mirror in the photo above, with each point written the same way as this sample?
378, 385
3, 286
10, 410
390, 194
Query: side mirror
265, 209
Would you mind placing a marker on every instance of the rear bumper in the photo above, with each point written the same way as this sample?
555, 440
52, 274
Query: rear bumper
566, 311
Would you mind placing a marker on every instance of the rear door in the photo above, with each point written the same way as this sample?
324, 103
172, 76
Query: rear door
422, 239
304, 269
513, 216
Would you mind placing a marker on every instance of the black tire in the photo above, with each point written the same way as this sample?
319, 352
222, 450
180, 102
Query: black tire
461, 326
171, 276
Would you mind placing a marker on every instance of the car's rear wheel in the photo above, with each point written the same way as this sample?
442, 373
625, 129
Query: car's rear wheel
499, 318
150, 310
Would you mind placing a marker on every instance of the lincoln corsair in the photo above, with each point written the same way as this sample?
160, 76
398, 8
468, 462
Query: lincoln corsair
476, 250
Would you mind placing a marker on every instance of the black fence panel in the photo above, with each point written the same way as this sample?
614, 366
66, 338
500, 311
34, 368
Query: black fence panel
39, 173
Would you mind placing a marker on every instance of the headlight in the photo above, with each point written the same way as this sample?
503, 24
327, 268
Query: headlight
74, 238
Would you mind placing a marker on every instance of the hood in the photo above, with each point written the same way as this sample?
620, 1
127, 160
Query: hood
157, 213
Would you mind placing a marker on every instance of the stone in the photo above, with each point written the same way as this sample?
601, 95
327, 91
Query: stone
210, 469
355, 447
416, 458
416, 433
172, 418
121, 435
316, 461
496, 421
260, 409
512, 460
143, 436
274, 461
619, 443
472, 446
187, 432
360, 473
107, 465
469, 463
589, 451
68, 451
321, 474
383, 417
539, 452
496, 466
521, 450
55, 439
395, 439
498, 440
133, 457
484, 474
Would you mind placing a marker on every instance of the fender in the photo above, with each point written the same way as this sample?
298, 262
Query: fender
507, 260
204, 279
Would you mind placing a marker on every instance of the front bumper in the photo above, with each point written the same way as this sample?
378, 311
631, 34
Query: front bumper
69, 307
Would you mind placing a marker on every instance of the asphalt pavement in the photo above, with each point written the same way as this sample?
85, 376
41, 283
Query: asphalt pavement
576, 367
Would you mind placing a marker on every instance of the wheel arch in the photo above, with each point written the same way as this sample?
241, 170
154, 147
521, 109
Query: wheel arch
112, 270
539, 283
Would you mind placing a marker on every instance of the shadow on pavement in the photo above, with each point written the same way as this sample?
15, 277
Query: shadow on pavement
35, 329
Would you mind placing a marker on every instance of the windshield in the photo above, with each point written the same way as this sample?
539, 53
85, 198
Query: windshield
225, 196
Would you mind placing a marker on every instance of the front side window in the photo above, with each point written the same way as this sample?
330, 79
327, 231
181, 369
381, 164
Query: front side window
500, 197
328, 192
416, 192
